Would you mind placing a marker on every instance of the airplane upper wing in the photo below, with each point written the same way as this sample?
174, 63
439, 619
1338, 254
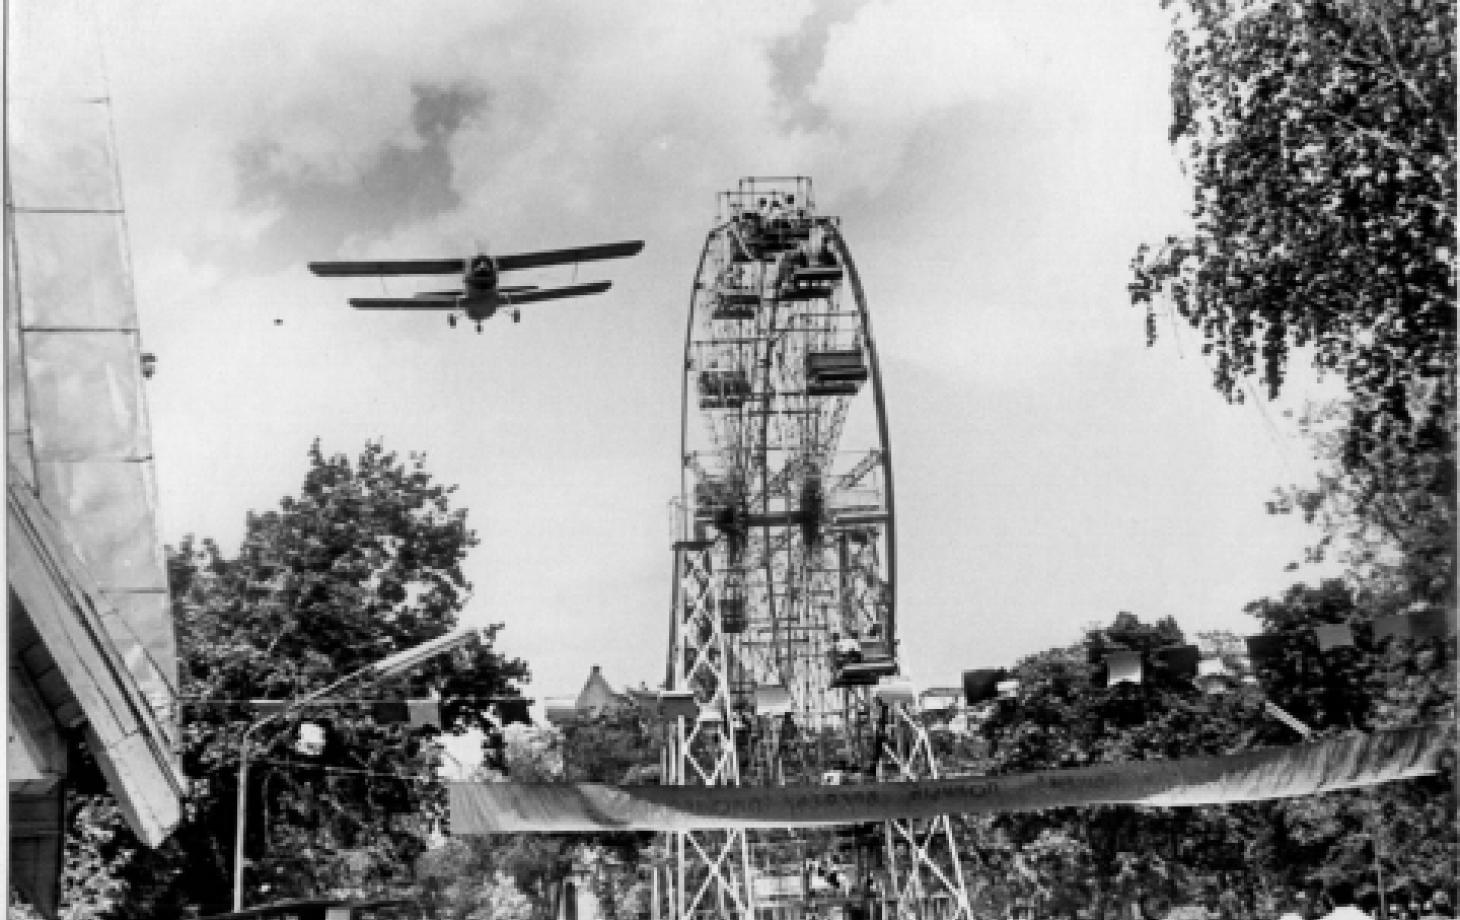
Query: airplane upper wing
574, 290
396, 267
568, 256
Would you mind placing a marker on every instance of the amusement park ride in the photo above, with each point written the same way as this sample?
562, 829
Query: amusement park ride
783, 638
481, 294
783, 662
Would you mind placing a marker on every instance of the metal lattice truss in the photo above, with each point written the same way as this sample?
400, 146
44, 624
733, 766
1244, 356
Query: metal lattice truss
783, 635
926, 876
705, 749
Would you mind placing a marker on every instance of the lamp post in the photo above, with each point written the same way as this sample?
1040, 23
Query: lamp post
386, 667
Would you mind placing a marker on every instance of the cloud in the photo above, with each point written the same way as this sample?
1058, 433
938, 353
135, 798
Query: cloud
895, 65
311, 132
583, 115
895, 60
796, 61
320, 209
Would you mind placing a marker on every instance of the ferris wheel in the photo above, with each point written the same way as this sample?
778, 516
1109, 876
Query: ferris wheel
783, 639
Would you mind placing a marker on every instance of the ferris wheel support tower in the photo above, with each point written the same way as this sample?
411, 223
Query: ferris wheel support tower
783, 635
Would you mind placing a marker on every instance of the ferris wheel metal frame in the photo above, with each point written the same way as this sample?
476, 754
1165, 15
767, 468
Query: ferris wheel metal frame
783, 645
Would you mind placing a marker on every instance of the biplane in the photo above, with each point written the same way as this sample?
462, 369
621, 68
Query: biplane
481, 294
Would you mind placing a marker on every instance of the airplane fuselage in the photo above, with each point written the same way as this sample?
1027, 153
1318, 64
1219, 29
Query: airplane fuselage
480, 305
479, 296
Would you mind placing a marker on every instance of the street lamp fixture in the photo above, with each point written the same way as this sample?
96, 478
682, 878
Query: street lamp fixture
398, 663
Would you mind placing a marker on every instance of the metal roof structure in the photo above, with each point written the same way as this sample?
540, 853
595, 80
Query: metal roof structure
92, 650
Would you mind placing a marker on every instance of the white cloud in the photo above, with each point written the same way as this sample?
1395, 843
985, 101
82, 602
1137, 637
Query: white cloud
897, 64
898, 59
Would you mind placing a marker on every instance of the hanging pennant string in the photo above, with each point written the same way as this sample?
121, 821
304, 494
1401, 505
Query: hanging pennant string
352, 771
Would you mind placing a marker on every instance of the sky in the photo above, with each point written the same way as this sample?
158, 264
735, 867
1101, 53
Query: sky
994, 163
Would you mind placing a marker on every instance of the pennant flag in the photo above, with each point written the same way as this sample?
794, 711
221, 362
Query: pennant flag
312, 739
982, 685
936, 699
424, 713
679, 703
560, 709
647, 703
1125, 667
1178, 660
1213, 677
772, 700
390, 712
1431, 624
513, 712
1333, 635
1395, 626
895, 691
1419, 622
1265, 650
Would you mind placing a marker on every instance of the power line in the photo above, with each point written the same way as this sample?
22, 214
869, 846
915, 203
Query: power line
349, 700
354, 771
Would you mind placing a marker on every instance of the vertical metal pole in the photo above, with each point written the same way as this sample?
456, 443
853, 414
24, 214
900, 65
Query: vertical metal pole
681, 873
240, 814
1375, 827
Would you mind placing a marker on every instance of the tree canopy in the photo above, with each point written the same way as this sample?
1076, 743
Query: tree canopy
1320, 140
520, 876
364, 561
1252, 856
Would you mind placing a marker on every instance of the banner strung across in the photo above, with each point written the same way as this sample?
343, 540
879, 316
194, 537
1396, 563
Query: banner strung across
1349, 762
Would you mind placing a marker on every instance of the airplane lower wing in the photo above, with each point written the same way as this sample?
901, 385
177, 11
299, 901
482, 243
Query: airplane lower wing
568, 256
575, 290
396, 267
403, 303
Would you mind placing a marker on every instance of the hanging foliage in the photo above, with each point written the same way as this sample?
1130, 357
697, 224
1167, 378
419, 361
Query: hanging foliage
1320, 140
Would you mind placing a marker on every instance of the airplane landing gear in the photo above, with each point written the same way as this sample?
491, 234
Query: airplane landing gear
479, 328
451, 320
516, 316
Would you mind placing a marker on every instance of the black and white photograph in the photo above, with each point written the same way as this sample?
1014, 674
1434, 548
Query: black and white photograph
772, 460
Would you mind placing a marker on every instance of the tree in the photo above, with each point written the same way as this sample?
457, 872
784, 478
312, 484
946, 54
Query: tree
364, 561
1320, 138
609, 747
613, 746
1394, 528
1406, 829
1058, 861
